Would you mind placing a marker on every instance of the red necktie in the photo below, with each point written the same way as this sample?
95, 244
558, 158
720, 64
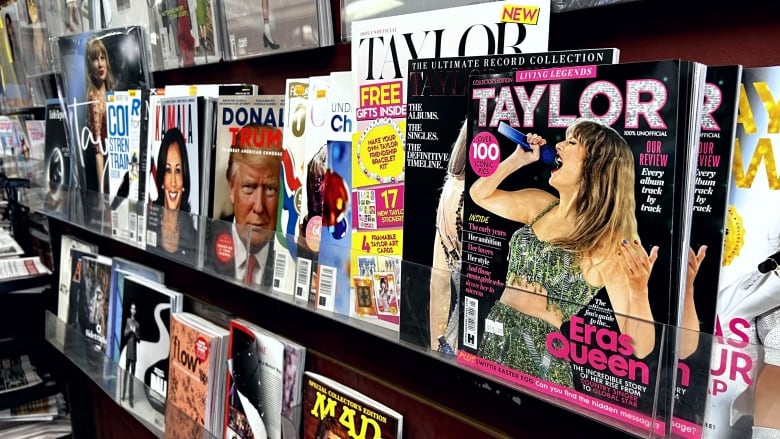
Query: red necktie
251, 264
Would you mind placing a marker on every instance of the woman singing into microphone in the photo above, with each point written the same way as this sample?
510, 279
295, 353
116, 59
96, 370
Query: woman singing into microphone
570, 247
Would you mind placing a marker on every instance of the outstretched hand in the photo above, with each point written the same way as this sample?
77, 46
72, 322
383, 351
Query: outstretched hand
694, 263
637, 264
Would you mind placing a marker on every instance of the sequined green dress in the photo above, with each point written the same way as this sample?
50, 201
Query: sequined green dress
523, 345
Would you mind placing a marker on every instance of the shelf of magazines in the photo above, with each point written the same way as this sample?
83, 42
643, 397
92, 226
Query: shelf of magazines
610, 368
109, 377
215, 247
147, 405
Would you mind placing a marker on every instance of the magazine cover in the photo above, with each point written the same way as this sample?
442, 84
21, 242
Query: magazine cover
381, 50
332, 409
68, 242
121, 13
254, 383
64, 18
745, 351
36, 135
190, 33
174, 160
92, 317
124, 119
33, 36
179, 425
91, 64
35, 47
718, 123
147, 307
138, 204
76, 291
198, 352
57, 165
119, 268
574, 206
11, 143
22, 151
289, 209
273, 26
334, 289
435, 168
14, 73
310, 216
245, 171
292, 388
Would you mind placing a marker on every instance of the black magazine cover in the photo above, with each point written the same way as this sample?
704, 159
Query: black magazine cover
436, 111
119, 269
93, 307
138, 205
92, 64
57, 170
574, 220
713, 175
77, 292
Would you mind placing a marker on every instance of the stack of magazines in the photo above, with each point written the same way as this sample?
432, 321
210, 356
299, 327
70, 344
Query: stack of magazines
31, 404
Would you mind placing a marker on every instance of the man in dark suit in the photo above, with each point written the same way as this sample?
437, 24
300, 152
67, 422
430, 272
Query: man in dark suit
133, 333
243, 249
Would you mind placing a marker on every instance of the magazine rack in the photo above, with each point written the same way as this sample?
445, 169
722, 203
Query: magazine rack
426, 385
374, 353
107, 375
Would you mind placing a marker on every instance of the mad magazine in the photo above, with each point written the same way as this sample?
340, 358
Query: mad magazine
331, 409
575, 194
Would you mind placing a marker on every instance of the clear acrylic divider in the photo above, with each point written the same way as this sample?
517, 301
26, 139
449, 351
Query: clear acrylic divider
585, 363
170, 233
29, 168
222, 253
582, 357
727, 387
51, 199
391, 298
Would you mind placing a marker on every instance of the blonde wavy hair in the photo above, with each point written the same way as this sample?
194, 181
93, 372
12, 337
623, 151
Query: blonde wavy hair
605, 201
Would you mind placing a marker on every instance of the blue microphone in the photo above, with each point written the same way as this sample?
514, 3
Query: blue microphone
546, 152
